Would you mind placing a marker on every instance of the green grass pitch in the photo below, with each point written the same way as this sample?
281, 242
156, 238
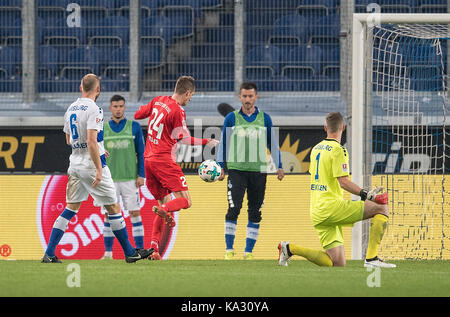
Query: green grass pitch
214, 278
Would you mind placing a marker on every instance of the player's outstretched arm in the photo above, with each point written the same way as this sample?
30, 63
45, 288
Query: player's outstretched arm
377, 195
143, 112
347, 185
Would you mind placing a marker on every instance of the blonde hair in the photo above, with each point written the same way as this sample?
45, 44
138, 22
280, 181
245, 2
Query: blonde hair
89, 82
185, 83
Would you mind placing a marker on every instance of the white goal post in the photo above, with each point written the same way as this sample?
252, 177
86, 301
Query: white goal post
360, 30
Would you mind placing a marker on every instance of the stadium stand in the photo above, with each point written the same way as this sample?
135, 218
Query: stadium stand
290, 45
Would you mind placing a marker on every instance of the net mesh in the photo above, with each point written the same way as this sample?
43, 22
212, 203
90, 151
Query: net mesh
408, 109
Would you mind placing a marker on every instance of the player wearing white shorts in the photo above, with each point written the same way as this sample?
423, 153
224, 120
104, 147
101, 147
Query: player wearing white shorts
88, 172
124, 141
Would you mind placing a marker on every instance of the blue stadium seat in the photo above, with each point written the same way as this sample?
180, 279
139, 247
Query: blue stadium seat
91, 11
11, 85
58, 34
196, 5
226, 19
81, 61
9, 14
117, 69
9, 58
419, 55
60, 85
331, 71
258, 72
148, 8
263, 18
182, 19
267, 56
425, 78
51, 10
331, 61
152, 52
275, 83
397, 6
52, 3
325, 31
432, 6
219, 52
361, 5
219, 35
306, 56
316, 8
270, 4
207, 70
114, 84
11, 3
304, 73
226, 84
157, 26
13, 34
294, 26
210, 3
113, 32
116, 4
48, 62
325, 83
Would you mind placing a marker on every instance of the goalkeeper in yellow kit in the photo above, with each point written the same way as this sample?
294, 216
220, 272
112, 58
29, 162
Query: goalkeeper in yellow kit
329, 169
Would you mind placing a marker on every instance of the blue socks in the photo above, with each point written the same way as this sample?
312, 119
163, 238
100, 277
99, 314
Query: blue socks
138, 234
108, 236
59, 227
230, 232
120, 231
138, 231
116, 224
252, 236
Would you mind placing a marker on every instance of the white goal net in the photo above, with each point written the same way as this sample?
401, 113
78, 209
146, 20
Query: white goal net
406, 145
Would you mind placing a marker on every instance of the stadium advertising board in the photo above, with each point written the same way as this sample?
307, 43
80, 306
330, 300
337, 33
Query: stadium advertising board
45, 151
31, 203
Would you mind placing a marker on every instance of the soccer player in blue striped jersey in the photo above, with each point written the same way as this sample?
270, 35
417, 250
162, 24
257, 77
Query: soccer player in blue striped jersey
124, 141
329, 211
88, 172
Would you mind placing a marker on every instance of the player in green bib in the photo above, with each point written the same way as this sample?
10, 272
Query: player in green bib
124, 142
247, 134
329, 211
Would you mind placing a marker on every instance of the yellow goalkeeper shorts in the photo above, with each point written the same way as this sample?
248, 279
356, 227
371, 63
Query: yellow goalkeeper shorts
338, 214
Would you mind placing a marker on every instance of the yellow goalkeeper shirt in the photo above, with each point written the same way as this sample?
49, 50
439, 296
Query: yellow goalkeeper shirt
329, 160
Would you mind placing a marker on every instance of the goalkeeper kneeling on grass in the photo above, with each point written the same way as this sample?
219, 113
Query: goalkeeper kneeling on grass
329, 169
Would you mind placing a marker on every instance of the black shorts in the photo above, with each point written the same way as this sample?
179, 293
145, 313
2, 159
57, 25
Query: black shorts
255, 185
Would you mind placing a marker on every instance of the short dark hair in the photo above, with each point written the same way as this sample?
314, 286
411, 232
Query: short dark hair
185, 83
116, 98
334, 121
248, 86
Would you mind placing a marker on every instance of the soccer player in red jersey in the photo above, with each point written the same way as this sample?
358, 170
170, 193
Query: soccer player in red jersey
167, 125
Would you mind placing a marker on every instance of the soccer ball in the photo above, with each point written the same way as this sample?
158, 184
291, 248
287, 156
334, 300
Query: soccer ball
209, 171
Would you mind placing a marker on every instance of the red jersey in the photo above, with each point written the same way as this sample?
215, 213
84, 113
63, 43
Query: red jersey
167, 125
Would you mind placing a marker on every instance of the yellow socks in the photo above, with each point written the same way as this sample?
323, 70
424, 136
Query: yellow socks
378, 226
315, 256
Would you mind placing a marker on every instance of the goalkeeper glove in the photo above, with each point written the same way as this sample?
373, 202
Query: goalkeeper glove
377, 195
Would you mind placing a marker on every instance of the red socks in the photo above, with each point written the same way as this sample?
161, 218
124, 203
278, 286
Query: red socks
176, 204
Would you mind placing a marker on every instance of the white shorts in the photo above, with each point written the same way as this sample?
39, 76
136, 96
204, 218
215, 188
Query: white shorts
130, 195
79, 187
